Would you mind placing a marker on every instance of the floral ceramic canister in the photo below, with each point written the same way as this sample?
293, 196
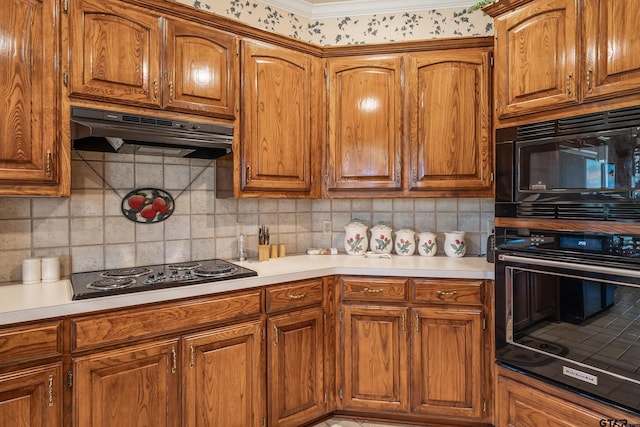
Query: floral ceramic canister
454, 244
405, 242
427, 245
355, 237
381, 240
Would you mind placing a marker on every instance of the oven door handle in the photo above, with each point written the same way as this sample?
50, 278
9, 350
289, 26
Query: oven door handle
570, 266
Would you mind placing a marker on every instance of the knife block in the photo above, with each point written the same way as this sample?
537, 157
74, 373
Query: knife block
263, 252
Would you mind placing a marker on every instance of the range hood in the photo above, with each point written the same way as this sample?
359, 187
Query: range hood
115, 132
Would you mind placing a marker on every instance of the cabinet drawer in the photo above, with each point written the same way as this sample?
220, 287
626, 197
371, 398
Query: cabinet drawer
24, 343
443, 291
294, 295
374, 289
111, 328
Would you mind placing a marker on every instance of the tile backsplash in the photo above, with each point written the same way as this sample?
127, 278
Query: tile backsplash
89, 232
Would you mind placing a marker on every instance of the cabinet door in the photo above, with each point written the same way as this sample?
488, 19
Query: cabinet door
611, 39
447, 362
114, 52
536, 58
223, 380
449, 151
278, 112
201, 70
132, 386
365, 117
32, 397
29, 148
523, 406
375, 371
295, 367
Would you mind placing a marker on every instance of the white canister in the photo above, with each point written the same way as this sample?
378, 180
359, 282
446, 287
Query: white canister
50, 269
31, 270
381, 240
405, 242
427, 245
454, 244
355, 238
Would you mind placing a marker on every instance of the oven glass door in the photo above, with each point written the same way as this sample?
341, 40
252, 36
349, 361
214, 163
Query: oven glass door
578, 324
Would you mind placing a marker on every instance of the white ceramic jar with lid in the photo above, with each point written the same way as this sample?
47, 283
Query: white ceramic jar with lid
381, 240
405, 242
356, 240
427, 244
454, 244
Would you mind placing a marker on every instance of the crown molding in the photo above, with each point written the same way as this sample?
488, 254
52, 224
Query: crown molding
340, 9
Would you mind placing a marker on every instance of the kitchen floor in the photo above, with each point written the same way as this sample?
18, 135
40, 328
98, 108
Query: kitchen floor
345, 422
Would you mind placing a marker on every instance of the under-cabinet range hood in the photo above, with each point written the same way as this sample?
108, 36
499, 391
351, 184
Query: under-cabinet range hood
115, 132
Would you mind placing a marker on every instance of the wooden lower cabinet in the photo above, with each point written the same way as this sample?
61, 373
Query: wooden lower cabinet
525, 402
447, 362
132, 386
375, 358
32, 397
422, 356
295, 368
223, 377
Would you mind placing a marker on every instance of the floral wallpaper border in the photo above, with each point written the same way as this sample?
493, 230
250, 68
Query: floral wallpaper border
377, 28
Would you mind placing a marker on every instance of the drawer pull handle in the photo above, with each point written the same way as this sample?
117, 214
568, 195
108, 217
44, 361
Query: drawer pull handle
373, 291
569, 77
192, 360
447, 293
297, 297
174, 366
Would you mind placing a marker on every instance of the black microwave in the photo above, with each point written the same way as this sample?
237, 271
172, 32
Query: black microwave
583, 167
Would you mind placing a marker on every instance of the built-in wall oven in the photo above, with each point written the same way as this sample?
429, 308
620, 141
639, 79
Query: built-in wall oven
567, 257
568, 310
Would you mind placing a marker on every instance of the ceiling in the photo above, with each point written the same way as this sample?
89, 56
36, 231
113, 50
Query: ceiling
316, 9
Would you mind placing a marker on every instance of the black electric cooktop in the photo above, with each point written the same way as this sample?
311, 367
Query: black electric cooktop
94, 284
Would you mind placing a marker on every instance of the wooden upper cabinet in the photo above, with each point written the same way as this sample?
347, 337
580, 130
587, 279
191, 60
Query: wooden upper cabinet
536, 58
115, 52
610, 40
201, 69
365, 123
278, 109
32, 159
450, 127
130, 55
550, 57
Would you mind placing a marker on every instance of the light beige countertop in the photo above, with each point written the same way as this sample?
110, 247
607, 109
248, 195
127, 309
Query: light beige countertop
21, 303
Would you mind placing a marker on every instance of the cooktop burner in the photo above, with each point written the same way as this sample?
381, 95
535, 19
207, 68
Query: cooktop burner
111, 283
127, 272
95, 284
